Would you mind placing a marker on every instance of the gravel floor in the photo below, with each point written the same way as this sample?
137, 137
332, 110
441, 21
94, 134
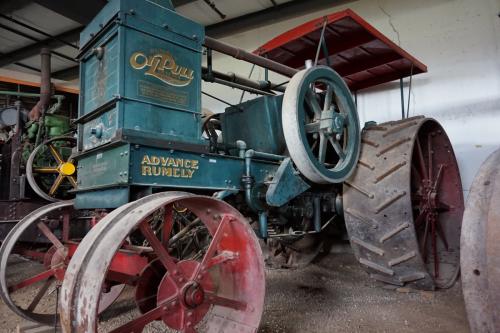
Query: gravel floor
334, 295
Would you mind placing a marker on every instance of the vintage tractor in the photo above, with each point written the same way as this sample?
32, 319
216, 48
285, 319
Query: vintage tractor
170, 216
36, 141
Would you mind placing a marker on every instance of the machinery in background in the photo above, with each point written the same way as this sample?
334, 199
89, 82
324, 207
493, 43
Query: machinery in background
480, 265
175, 213
35, 136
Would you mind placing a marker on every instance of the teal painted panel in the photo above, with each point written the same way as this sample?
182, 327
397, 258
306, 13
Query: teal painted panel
157, 167
100, 76
100, 130
104, 198
104, 167
258, 123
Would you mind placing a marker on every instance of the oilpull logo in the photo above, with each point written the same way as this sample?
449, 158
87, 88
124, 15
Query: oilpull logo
162, 66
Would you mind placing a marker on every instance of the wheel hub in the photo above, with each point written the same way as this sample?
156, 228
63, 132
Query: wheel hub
67, 169
193, 295
57, 259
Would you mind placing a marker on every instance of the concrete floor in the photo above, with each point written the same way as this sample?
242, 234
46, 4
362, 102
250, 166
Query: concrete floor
335, 295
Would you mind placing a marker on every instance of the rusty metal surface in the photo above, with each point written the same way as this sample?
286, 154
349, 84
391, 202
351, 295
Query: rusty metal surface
13, 211
403, 212
480, 247
236, 288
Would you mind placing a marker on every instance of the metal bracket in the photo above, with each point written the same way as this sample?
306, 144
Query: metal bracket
286, 185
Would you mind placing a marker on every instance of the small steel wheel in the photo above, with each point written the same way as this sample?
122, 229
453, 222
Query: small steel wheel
215, 286
51, 171
33, 261
320, 125
480, 247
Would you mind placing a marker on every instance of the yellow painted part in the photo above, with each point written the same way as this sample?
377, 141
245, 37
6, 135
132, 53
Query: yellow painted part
67, 169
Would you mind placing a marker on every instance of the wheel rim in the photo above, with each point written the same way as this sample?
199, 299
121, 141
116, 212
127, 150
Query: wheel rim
44, 235
321, 125
480, 248
438, 203
60, 168
224, 289
39, 281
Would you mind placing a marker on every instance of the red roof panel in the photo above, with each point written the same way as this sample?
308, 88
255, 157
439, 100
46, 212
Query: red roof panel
361, 54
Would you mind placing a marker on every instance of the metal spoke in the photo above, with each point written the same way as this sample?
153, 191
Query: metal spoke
313, 103
226, 302
50, 235
423, 244
322, 148
55, 154
56, 184
441, 234
434, 250
45, 170
221, 258
429, 152
338, 148
72, 180
420, 218
157, 246
211, 248
39, 295
328, 98
29, 281
137, 325
168, 224
312, 127
438, 177
420, 156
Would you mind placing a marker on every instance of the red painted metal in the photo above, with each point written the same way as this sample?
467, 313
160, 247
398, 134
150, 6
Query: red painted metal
221, 292
437, 203
361, 54
34, 279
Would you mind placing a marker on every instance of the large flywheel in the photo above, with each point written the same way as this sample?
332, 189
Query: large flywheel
403, 206
480, 247
320, 125
202, 267
50, 169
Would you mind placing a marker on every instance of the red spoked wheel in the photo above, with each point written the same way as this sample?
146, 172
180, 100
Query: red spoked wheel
197, 267
33, 261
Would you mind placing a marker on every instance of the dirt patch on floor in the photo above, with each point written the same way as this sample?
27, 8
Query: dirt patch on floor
332, 295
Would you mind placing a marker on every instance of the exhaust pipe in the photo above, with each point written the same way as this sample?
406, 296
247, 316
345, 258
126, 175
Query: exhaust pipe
45, 86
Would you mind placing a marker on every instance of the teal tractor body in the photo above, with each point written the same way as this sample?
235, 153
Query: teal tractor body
140, 126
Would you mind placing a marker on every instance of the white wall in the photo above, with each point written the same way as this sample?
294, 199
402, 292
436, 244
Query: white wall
459, 41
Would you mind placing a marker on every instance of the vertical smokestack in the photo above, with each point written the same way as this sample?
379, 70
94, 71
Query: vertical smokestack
45, 86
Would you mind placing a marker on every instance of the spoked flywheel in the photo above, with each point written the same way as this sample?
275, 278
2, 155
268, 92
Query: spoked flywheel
33, 261
480, 247
320, 125
403, 206
50, 170
212, 283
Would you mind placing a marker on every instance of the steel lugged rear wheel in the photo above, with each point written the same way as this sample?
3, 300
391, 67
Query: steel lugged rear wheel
403, 205
480, 246
217, 288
